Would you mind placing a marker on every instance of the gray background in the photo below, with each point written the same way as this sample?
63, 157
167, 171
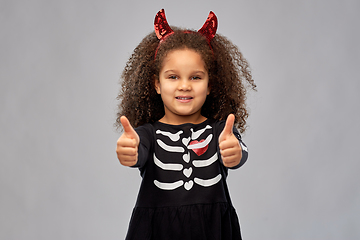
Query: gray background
60, 63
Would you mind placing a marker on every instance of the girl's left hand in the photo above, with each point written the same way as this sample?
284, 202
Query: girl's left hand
229, 145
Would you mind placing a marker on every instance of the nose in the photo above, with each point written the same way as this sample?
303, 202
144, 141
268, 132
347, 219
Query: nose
184, 85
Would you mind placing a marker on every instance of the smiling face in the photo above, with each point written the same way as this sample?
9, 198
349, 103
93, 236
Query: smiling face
183, 85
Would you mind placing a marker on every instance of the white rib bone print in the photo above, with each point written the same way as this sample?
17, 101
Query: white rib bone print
195, 146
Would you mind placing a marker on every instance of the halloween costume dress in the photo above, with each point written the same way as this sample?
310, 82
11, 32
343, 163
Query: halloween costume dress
183, 194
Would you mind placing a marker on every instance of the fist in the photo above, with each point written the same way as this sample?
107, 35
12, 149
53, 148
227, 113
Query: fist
127, 144
229, 145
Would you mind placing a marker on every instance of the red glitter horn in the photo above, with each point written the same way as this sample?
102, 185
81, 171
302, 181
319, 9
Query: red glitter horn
210, 26
163, 30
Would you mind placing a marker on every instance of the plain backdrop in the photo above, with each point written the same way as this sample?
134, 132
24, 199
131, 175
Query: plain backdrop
60, 65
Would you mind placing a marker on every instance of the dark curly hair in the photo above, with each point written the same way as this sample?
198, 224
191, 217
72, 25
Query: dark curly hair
229, 78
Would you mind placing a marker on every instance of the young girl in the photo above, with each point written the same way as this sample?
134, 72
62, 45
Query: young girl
184, 92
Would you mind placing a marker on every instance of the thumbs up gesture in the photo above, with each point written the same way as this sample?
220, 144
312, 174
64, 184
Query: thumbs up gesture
127, 144
229, 145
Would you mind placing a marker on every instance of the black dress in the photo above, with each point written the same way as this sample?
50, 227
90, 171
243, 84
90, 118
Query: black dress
183, 194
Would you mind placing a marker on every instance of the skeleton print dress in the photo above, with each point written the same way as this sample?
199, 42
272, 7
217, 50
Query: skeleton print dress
183, 194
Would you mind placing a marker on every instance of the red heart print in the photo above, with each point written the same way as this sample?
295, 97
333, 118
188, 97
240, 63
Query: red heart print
199, 151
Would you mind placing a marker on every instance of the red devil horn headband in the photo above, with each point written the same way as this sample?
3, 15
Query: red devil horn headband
163, 30
209, 28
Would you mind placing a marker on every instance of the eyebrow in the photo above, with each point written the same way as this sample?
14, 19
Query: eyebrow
199, 71
167, 71
195, 72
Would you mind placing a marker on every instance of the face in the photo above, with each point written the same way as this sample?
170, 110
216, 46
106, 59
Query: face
183, 85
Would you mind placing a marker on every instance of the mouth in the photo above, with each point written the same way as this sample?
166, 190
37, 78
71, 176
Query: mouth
184, 99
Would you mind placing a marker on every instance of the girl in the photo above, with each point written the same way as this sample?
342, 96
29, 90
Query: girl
183, 91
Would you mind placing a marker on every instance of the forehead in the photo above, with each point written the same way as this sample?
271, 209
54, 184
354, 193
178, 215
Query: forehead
183, 58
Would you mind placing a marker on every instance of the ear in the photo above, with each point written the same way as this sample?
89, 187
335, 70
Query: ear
208, 88
157, 85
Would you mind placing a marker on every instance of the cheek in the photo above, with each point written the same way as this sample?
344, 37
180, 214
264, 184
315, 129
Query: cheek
165, 90
206, 89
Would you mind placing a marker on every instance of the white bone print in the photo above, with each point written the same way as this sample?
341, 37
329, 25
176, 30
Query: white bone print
168, 186
169, 148
167, 166
205, 163
186, 141
207, 182
173, 136
186, 157
190, 143
201, 144
243, 147
188, 185
187, 172
196, 135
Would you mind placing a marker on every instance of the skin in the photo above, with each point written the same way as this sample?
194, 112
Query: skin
183, 85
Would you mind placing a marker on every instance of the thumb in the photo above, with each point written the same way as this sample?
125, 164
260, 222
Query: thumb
228, 129
128, 129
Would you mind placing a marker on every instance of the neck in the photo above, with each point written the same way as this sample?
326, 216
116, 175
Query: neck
183, 119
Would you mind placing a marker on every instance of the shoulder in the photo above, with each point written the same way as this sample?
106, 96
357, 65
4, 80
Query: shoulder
219, 126
145, 131
147, 136
145, 127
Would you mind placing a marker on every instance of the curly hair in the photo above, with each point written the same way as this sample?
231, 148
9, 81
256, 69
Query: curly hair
229, 78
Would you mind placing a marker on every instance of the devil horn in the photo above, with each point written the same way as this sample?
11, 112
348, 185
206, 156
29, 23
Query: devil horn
161, 25
210, 26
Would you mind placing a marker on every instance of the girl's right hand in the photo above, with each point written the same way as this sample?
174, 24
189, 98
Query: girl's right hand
127, 144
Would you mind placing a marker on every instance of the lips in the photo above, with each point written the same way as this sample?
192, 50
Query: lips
184, 99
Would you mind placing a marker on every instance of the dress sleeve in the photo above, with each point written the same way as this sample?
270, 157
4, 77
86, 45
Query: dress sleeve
243, 147
145, 146
244, 157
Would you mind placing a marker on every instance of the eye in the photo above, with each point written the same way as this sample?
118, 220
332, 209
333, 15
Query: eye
195, 78
172, 77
